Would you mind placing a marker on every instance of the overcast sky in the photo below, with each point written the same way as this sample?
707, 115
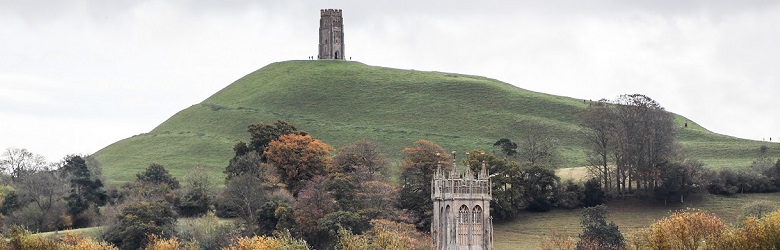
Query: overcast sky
76, 76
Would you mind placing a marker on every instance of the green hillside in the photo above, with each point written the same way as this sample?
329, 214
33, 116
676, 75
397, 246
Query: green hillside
340, 102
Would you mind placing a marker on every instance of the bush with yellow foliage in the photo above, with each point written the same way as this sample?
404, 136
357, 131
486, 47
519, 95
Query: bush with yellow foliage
686, 229
278, 241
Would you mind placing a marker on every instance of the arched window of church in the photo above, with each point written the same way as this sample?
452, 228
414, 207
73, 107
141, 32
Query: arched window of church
477, 228
477, 214
464, 216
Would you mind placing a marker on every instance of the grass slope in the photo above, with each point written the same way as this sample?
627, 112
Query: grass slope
340, 102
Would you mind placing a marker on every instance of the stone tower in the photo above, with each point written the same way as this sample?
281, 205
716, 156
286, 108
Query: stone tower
461, 210
331, 35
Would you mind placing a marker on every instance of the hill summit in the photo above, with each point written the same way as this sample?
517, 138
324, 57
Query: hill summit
341, 101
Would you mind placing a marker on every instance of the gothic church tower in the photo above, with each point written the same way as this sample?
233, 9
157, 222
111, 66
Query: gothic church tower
331, 35
461, 210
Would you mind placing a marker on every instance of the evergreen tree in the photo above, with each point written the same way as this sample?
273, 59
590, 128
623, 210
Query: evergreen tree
85, 190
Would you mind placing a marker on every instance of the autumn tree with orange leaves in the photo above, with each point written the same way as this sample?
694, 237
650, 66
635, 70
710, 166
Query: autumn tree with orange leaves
298, 158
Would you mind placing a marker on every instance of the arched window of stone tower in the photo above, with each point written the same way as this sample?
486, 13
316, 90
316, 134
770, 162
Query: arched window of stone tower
477, 228
464, 222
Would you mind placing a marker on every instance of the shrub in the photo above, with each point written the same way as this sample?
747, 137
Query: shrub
728, 182
385, 234
397, 235
687, 229
594, 194
160, 243
279, 241
540, 204
21, 239
755, 233
597, 234
194, 203
569, 195
156, 173
558, 241
77, 242
207, 232
330, 225
139, 220
757, 209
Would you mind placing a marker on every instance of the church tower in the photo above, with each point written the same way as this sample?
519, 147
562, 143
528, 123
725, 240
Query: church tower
331, 35
461, 210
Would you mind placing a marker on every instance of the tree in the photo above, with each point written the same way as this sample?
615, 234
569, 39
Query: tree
680, 179
637, 134
197, 194
569, 195
599, 128
539, 185
538, 148
266, 218
298, 158
43, 188
330, 225
20, 162
353, 173
376, 200
596, 233
508, 147
243, 164
361, 153
39, 203
344, 191
645, 143
86, 191
157, 174
240, 149
245, 194
506, 180
261, 135
139, 220
420, 163
594, 195
313, 204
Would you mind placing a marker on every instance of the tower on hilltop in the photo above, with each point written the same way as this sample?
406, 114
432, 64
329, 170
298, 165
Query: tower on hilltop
331, 35
461, 210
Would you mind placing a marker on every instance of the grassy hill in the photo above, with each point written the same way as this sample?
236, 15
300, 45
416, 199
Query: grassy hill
340, 102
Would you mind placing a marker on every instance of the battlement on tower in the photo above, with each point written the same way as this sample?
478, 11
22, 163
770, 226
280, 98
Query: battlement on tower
455, 185
330, 12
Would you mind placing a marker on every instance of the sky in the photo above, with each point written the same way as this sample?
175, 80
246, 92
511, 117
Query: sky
76, 76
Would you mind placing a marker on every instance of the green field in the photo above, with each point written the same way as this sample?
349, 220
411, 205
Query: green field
340, 102
529, 229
